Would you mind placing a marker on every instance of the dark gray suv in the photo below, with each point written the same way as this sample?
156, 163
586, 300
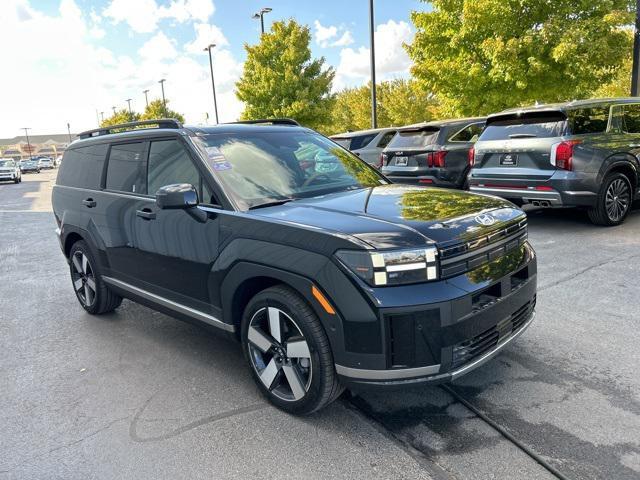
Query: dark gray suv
433, 153
577, 154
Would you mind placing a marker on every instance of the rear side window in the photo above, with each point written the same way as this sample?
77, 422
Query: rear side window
361, 141
527, 125
415, 138
625, 118
470, 133
82, 167
386, 138
588, 120
127, 168
169, 163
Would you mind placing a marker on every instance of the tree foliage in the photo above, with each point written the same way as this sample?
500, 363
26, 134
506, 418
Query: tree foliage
400, 102
156, 109
479, 56
120, 116
280, 79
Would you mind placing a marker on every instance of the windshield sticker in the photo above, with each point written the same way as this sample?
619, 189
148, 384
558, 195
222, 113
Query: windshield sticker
217, 159
221, 165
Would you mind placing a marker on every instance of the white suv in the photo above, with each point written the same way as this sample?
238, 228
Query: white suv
10, 170
366, 144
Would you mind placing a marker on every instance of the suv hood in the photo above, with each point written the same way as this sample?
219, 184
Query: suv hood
399, 216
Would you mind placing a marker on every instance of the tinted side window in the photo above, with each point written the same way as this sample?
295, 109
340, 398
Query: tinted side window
631, 116
82, 167
169, 163
386, 138
361, 141
468, 134
127, 168
588, 120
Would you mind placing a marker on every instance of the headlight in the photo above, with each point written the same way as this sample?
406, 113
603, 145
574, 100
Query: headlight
396, 267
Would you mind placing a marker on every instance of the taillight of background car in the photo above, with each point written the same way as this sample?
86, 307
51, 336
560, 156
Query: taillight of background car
436, 159
382, 161
471, 157
562, 154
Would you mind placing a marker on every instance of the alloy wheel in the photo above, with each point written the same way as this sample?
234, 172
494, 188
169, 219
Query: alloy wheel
617, 199
83, 278
279, 354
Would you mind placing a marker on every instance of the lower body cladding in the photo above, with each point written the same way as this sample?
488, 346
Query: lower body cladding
439, 342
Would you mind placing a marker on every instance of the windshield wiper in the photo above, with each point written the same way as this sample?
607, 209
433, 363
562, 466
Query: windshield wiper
271, 204
523, 135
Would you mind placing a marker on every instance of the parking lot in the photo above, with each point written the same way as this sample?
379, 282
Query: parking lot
137, 394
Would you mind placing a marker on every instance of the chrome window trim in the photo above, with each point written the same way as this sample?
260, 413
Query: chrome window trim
175, 306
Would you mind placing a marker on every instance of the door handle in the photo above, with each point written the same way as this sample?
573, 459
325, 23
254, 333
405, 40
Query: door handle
89, 202
146, 213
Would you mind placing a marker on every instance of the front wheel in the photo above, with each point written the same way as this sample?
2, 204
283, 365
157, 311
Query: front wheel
288, 352
613, 202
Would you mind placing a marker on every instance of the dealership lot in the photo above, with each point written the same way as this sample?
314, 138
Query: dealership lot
137, 394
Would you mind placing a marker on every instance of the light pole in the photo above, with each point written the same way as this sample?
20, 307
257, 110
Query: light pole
129, 103
213, 83
374, 116
146, 98
26, 132
114, 110
102, 116
69, 131
635, 69
164, 102
260, 15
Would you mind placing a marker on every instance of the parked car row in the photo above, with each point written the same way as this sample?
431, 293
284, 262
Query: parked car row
575, 154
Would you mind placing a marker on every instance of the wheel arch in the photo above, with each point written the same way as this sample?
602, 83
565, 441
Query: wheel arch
627, 165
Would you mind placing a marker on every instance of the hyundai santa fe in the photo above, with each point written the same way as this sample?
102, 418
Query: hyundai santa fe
327, 274
576, 154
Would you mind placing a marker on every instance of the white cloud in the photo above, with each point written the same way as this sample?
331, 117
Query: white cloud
143, 16
391, 58
87, 78
206, 34
344, 40
158, 47
324, 35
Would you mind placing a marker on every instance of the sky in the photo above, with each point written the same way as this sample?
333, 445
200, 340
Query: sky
68, 60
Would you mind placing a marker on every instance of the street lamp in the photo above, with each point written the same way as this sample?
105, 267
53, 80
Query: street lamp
213, 83
26, 132
164, 102
146, 99
374, 116
635, 69
129, 103
260, 15
69, 131
102, 116
114, 110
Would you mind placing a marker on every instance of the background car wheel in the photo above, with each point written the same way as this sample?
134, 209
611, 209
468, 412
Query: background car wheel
92, 293
613, 202
288, 352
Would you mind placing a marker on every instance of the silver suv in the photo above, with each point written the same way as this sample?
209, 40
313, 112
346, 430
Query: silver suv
577, 154
366, 144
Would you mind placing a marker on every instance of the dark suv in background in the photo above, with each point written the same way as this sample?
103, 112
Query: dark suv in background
433, 153
328, 278
576, 154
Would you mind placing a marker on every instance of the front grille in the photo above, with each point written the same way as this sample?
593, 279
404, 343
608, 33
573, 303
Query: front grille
468, 350
465, 256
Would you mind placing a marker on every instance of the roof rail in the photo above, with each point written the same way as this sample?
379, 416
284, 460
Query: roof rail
271, 121
160, 122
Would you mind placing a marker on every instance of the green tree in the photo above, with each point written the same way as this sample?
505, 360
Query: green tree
479, 56
120, 116
280, 78
400, 102
156, 109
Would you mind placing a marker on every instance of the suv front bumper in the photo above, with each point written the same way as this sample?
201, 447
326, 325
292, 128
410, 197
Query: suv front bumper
441, 341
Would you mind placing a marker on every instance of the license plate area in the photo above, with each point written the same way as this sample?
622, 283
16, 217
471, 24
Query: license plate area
509, 160
401, 161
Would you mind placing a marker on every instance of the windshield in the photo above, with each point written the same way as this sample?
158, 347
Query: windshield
415, 138
261, 167
6, 163
528, 125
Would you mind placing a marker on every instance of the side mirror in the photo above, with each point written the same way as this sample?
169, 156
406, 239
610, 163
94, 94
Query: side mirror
181, 196
178, 196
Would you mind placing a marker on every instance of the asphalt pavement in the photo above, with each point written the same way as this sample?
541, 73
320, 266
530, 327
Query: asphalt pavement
137, 394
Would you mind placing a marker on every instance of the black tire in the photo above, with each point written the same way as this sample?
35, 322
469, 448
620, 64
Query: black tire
102, 300
322, 386
601, 213
17, 180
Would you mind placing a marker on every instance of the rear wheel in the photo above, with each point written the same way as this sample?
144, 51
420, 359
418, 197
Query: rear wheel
613, 202
92, 293
288, 352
